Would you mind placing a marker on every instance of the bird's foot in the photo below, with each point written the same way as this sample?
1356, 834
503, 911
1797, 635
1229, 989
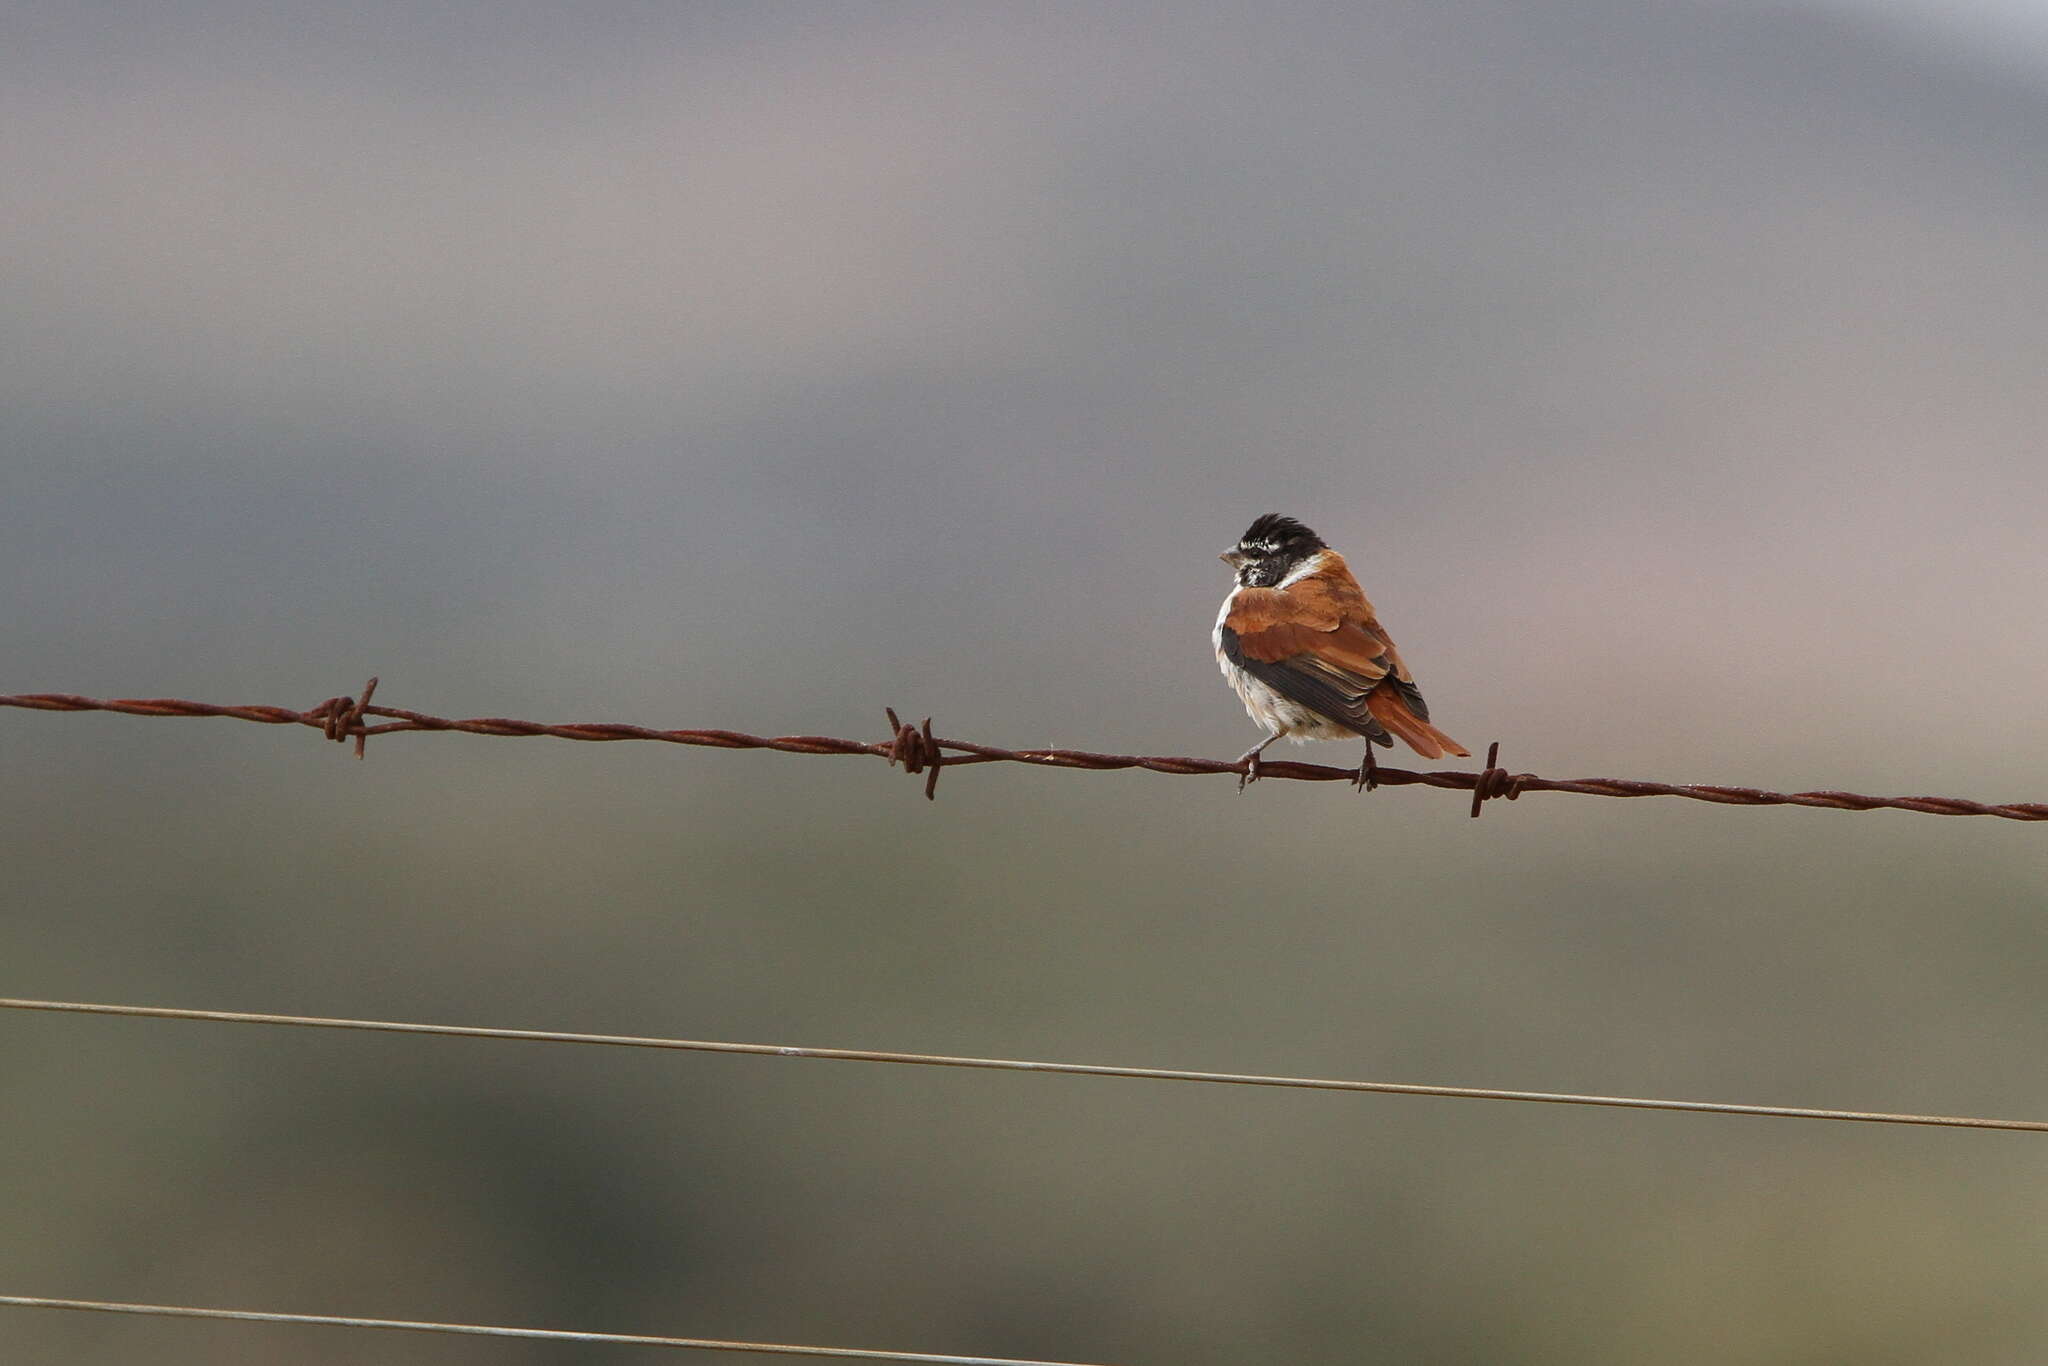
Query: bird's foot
1249, 772
1368, 771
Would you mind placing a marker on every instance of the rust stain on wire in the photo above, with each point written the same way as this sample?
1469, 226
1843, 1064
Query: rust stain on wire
1084, 1069
178, 1311
918, 751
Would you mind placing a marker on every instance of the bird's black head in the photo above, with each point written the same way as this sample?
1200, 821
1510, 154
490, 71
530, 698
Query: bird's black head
1270, 549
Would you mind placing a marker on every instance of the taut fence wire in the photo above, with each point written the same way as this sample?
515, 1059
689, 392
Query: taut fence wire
918, 751
1084, 1069
179, 1311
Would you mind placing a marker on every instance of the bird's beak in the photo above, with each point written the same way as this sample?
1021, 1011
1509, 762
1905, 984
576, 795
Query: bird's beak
1233, 558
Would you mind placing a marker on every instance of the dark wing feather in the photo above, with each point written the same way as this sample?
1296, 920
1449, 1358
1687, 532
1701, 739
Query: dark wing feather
1325, 689
1412, 695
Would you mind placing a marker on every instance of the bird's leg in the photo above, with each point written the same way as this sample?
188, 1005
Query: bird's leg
1250, 760
1368, 771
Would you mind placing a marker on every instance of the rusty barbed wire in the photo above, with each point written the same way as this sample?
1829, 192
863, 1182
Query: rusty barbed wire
917, 750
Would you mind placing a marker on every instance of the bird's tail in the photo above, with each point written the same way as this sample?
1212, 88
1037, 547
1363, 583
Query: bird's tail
1390, 709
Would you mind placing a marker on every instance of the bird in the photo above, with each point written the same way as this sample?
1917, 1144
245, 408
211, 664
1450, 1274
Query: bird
1299, 642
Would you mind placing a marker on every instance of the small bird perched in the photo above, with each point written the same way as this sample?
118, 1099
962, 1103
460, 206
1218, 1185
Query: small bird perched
1299, 642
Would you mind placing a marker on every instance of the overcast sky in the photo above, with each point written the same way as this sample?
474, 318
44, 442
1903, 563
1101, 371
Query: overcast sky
2010, 32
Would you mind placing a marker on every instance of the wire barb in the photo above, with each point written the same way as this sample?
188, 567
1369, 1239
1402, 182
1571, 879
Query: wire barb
919, 751
1495, 781
341, 718
915, 749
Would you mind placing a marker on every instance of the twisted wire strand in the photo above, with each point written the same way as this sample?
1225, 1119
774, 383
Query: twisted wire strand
1020, 1065
918, 751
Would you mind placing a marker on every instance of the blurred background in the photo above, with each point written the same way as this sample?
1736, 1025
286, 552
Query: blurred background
1671, 374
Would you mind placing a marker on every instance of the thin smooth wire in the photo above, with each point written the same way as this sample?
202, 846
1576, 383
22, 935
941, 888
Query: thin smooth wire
175, 1311
1020, 1065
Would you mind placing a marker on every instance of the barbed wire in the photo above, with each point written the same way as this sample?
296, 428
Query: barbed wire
178, 1311
918, 751
770, 1050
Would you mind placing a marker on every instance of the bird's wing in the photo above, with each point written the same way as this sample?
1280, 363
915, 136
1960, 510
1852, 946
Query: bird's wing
1316, 644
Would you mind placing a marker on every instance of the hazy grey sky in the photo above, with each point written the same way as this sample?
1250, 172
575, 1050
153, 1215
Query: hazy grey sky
2013, 33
